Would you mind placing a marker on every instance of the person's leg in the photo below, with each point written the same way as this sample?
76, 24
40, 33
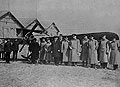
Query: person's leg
75, 63
0, 55
86, 61
61, 58
13, 59
16, 52
83, 63
8, 57
105, 65
102, 65
92, 65
115, 66
55, 60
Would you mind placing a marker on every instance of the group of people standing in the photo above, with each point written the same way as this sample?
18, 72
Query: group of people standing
7, 47
61, 50
70, 52
101, 52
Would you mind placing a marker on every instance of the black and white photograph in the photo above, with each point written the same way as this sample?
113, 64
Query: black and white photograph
59, 43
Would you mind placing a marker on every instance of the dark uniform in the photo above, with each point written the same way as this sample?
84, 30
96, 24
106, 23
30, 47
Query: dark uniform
15, 48
2, 50
56, 47
7, 48
61, 53
34, 49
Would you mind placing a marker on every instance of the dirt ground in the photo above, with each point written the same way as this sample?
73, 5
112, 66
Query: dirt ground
18, 74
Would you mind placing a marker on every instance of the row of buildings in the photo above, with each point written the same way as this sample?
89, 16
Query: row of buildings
15, 27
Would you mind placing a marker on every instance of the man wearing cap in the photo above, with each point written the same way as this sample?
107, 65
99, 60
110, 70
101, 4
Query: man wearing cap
34, 49
114, 53
92, 52
104, 51
15, 48
56, 48
84, 52
64, 50
75, 50
1, 49
61, 53
7, 48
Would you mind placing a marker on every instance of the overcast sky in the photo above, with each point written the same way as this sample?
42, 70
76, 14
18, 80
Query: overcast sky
71, 16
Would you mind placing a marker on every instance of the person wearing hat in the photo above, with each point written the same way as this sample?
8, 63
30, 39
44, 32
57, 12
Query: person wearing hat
15, 48
42, 50
104, 51
92, 52
114, 53
75, 50
7, 48
56, 48
61, 53
34, 49
64, 50
48, 51
2, 48
84, 52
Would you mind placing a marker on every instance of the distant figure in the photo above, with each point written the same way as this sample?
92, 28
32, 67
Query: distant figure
61, 54
42, 50
7, 48
1, 49
84, 52
64, 50
114, 53
92, 52
48, 51
15, 48
34, 49
56, 48
104, 52
75, 50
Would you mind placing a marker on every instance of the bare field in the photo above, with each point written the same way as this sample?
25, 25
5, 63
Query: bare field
19, 74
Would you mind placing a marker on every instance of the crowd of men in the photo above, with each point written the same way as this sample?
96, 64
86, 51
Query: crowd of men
69, 52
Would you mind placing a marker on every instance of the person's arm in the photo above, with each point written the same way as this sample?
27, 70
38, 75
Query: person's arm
96, 44
62, 47
79, 46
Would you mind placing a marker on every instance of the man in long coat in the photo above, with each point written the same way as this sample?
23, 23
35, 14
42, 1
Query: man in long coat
1, 49
104, 52
56, 48
64, 50
61, 53
92, 54
7, 48
114, 53
75, 50
34, 49
48, 50
15, 48
42, 50
84, 52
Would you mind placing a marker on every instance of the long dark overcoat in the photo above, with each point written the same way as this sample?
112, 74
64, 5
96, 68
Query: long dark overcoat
56, 48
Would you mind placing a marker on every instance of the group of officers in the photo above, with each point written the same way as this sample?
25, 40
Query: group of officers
61, 50
7, 47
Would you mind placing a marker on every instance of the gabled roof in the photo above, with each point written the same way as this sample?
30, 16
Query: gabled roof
36, 21
33, 24
26, 21
46, 24
3, 14
53, 25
